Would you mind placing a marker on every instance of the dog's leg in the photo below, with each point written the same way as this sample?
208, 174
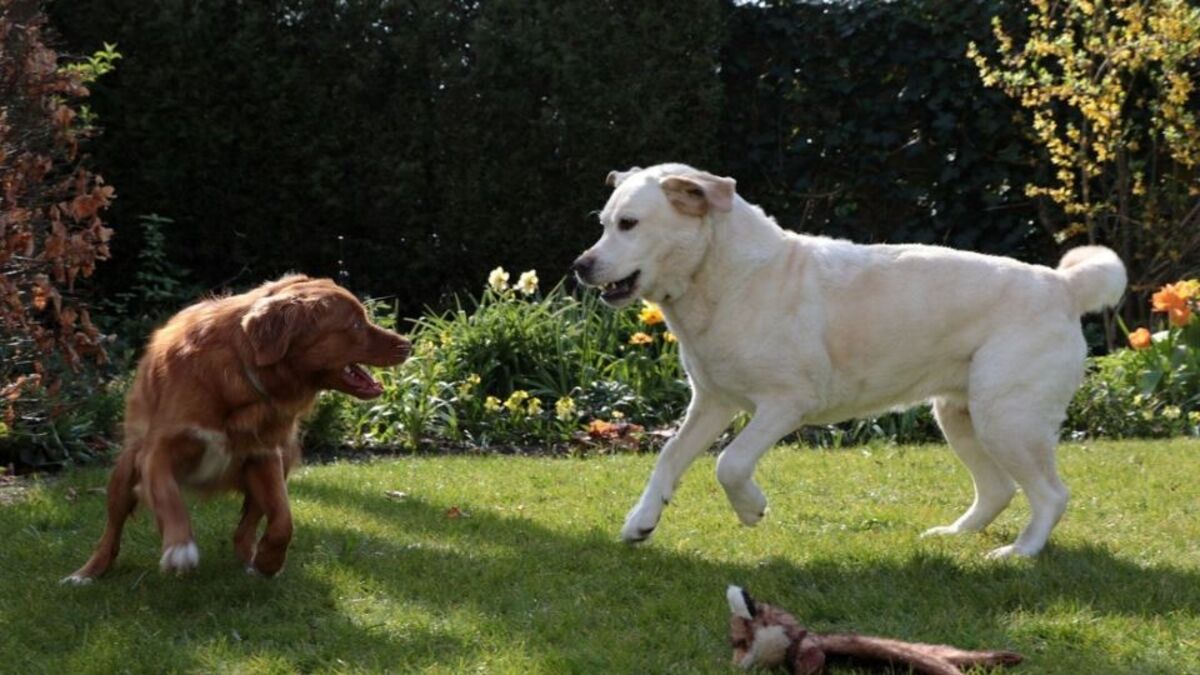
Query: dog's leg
994, 488
735, 467
266, 485
247, 531
1029, 458
121, 502
706, 417
166, 500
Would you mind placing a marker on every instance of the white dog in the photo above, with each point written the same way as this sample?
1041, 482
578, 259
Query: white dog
799, 329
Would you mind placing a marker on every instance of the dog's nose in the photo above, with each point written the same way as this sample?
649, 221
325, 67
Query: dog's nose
582, 267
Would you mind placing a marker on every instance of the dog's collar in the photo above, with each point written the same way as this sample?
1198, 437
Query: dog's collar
256, 384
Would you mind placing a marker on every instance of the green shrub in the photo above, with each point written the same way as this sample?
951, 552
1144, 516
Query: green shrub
516, 367
1153, 388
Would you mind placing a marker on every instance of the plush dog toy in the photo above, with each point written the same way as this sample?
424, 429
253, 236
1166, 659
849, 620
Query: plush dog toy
765, 637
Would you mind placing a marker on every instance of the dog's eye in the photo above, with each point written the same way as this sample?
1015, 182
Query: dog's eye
359, 324
626, 224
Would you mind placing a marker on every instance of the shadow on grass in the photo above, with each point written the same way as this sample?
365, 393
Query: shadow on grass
540, 582
570, 601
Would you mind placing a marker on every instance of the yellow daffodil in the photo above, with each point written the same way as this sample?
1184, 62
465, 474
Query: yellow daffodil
651, 314
515, 400
564, 408
498, 280
534, 407
492, 404
528, 282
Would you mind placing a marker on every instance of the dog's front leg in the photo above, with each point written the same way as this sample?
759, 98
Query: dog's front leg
706, 417
735, 467
266, 485
161, 489
244, 537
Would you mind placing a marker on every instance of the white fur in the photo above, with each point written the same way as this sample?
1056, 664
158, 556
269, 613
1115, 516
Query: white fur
801, 329
75, 580
180, 558
737, 602
768, 649
216, 457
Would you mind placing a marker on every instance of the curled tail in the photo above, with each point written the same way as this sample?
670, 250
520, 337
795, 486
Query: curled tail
1095, 277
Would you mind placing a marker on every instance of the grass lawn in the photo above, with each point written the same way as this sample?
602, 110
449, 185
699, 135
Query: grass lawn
532, 579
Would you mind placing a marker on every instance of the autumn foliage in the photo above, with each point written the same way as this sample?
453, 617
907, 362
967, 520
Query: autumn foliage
51, 231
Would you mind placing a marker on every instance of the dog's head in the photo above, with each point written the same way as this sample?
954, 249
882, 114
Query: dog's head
761, 635
657, 227
321, 334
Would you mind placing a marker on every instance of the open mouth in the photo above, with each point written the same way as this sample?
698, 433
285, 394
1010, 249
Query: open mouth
620, 289
359, 382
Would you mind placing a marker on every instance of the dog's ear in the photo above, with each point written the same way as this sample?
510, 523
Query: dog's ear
694, 194
615, 178
271, 325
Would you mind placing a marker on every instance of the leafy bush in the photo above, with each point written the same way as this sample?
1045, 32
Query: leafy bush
51, 236
1109, 93
440, 133
452, 133
517, 367
1152, 388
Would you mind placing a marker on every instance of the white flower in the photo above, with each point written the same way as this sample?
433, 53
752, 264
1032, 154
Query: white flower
498, 280
528, 283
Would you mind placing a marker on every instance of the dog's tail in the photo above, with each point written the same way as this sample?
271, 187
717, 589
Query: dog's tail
1095, 277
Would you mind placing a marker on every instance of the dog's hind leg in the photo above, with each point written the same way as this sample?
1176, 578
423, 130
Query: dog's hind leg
1026, 450
1019, 388
994, 488
706, 417
121, 502
735, 466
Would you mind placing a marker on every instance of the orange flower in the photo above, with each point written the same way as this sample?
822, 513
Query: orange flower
601, 429
1186, 289
1167, 299
640, 339
1139, 339
1180, 316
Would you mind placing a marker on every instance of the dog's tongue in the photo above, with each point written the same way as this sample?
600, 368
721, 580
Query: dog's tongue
360, 380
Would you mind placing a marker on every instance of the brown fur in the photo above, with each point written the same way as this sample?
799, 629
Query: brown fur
216, 404
806, 653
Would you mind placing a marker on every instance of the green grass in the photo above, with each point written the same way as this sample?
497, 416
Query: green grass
533, 579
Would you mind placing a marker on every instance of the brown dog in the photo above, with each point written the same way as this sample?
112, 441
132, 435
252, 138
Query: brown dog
216, 404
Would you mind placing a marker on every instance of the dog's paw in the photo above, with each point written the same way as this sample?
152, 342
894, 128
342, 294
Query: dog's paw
942, 531
751, 508
639, 525
75, 579
1010, 551
180, 558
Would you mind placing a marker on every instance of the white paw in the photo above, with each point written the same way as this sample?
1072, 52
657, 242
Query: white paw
640, 523
180, 558
1010, 551
252, 572
942, 531
751, 508
75, 580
